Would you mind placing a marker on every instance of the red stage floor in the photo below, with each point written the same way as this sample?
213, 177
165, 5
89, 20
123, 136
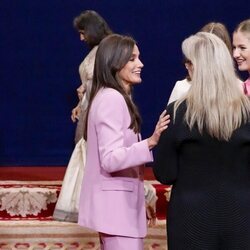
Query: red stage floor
45, 173
52, 173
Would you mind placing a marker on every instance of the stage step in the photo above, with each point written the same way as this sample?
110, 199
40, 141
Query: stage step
37, 199
54, 235
28, 200
32, 192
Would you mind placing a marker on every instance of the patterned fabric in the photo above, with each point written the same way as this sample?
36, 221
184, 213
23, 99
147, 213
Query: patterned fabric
86, 69
67, 206
26, 200
54, 235
156, 195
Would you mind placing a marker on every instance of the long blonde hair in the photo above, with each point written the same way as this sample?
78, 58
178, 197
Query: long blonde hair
215, 102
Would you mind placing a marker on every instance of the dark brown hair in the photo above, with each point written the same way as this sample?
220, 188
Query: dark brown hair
94, 26
112, 55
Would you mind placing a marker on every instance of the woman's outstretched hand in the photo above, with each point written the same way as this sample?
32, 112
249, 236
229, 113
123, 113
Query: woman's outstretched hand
161, 125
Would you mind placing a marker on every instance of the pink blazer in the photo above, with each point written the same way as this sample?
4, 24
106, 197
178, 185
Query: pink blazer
112, 195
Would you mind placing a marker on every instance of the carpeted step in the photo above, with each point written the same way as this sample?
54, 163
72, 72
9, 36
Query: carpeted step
54, 235
28, 199
35, 195
37, 199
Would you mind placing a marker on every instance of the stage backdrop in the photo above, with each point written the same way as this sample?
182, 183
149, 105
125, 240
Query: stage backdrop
40, 54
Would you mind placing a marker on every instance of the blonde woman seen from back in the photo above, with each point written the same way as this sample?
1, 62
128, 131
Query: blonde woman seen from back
205, 154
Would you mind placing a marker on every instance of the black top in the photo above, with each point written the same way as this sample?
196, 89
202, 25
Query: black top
210, 201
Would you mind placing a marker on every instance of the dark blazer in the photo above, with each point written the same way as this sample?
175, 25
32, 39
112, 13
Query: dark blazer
210, 202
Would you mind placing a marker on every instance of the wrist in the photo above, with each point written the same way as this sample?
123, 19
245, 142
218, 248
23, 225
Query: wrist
151, 142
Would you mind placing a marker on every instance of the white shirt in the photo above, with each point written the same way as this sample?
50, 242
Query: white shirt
179, 90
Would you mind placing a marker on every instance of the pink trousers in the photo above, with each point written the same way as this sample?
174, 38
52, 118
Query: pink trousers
114, 242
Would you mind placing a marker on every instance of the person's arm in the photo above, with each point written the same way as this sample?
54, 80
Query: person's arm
80, 92
113, 135
111, 126
89, 69
165, 165
75, 113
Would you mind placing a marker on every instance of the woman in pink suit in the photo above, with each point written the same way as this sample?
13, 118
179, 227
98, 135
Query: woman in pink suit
112, 197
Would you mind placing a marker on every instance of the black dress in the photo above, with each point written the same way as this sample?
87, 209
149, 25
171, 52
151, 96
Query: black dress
210, 202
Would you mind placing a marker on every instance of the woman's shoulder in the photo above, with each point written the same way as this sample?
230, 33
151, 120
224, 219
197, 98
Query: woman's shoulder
90, 57
179, 112
109, 96
185, 83
181, 87
181, 107
108, 101
110, 92
92, 52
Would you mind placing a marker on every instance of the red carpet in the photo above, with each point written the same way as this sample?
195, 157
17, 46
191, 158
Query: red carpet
27, 199
18, 199
51, 178
22, 200
22, 182
51, 235
32, 173
45, 173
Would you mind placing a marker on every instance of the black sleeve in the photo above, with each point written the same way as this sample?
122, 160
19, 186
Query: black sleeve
165, 164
